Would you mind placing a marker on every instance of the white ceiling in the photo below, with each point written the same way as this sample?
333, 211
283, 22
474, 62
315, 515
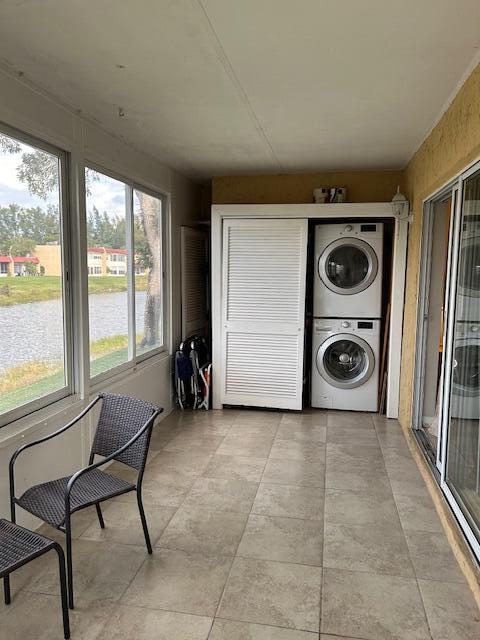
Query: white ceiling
218, 87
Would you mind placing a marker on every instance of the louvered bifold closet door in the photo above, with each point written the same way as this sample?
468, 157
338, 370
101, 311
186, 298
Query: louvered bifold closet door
194, 281
263, 300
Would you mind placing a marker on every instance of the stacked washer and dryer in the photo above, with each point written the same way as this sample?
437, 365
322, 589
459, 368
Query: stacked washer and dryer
347, 311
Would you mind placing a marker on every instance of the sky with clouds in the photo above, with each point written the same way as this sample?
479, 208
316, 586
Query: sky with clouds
106, 194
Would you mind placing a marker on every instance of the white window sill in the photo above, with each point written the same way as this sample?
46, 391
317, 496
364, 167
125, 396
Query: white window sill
33, 422
114, 377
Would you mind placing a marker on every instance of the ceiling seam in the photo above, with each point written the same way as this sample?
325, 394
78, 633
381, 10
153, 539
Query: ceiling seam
229, 70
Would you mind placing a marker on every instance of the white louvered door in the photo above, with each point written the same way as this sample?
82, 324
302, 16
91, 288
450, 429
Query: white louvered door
194, 281
263, 312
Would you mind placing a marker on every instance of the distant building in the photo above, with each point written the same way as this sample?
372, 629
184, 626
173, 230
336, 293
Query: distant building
4, 265
50, 258
101, 261
46, 259
19, 265
96, 261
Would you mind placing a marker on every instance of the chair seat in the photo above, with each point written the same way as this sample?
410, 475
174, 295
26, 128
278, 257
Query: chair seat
19, 545
47, 500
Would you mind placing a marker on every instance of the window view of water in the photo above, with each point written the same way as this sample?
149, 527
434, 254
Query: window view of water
24, 339
34, 340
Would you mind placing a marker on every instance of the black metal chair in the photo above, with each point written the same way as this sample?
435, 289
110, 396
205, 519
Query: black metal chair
123, 433
18, 546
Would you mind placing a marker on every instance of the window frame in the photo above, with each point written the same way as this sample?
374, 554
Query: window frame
66, 261
133, 359
165, 291
72, 204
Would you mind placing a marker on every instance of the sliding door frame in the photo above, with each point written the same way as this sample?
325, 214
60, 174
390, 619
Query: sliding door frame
455, 188
450, 190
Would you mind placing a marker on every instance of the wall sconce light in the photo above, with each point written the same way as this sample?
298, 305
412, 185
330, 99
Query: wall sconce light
401, 207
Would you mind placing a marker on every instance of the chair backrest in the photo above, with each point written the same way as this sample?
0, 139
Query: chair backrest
121, 417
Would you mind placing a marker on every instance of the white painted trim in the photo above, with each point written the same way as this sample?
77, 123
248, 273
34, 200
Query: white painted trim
216, 284
397, 297
315, 211
338, 210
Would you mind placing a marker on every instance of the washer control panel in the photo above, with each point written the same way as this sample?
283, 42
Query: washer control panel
344, 325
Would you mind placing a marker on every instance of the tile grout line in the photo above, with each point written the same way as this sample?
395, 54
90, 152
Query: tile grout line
408, 548
238, 545
178, 507
322, 584
173, 515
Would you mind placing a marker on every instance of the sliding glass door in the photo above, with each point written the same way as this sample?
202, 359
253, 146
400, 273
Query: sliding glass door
446, 415
432, 321
462, 424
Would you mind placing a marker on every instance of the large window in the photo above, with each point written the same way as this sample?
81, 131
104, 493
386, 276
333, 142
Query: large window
34, 334
125, 267
43, 357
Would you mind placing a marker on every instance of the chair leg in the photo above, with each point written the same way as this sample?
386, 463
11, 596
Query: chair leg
6, 589
68, 535
144, 523
100, 516
63, 591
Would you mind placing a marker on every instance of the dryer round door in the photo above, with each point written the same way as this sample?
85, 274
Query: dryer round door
345, 361
469, 267
466, 368
348, 266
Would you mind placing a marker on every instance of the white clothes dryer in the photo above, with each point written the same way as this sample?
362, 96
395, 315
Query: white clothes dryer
348, 270
345, 364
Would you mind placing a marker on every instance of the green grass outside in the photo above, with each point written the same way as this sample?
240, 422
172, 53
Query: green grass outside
38, 288
107, 353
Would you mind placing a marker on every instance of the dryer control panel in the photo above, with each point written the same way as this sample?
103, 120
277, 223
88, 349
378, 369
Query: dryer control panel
353, 229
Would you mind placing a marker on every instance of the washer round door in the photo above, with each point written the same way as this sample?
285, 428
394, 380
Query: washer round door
348, 266
466, 368
345, 361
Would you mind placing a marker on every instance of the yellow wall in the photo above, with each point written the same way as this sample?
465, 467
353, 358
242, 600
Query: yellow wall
362, 186
452, 145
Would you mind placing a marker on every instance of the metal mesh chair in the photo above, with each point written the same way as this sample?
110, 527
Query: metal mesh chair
18, 546
123, 433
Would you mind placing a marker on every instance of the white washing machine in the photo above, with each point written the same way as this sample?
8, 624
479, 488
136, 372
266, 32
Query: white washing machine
348, 270
345, 363
465, 399
468, 291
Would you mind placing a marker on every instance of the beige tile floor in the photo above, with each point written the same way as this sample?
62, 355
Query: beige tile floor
266, 526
